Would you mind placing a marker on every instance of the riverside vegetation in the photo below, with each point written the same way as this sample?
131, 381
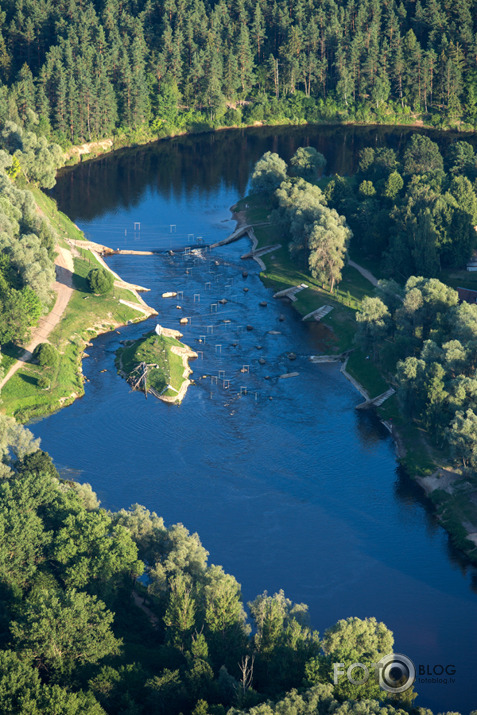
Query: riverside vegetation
71, 568
115, 612
32, 233
408, 213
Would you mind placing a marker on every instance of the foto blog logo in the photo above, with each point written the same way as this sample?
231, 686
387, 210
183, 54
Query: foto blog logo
396, 673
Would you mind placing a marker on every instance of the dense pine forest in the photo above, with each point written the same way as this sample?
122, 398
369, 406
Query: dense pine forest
94, 68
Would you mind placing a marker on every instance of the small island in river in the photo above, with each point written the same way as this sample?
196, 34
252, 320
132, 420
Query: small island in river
157, 363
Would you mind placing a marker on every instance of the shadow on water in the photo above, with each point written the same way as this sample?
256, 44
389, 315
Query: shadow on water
370, 429
184, 165
412, 496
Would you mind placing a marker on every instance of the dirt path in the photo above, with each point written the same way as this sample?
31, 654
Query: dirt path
63, 288
364, 272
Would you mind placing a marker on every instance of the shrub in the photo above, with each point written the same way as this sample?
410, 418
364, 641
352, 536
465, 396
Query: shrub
47, 355
232, 117
43, 382
100, 280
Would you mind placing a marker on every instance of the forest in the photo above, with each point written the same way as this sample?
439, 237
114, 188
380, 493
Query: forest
105, 612
432, 341
103, 67
412, 213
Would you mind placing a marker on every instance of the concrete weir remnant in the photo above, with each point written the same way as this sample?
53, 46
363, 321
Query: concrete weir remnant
376, 401
319, 313
290, 292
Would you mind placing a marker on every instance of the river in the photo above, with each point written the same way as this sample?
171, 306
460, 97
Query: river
287, 485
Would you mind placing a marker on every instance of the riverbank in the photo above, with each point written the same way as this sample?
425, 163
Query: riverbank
452, 496
89, 151
280, 272
83, 317
157, 364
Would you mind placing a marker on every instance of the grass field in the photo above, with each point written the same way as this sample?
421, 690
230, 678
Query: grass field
364, 370
86, 316
154, 350
459, 279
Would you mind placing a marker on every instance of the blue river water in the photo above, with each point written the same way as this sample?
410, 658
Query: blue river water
287, 484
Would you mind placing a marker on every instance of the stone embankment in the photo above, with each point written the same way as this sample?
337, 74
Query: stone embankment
98, 252
319, 313
290, 292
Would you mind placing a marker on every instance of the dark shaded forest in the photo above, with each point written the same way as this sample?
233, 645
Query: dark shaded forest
96, 67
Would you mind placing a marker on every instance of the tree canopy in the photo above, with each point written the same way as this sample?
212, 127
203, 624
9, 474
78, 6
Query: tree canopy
100, 280
80, 634
27, 250
268, 173
414, 211
433, 339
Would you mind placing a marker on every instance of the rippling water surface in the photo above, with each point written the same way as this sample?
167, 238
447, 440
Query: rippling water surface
288, 486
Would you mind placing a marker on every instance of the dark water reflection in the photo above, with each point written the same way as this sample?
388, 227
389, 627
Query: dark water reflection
197, 165
300, 491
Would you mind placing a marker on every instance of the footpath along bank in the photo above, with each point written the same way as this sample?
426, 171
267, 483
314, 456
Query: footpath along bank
77, 316
452, 496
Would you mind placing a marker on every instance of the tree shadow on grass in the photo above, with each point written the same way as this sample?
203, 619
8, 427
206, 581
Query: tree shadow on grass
81, 283
30, 379
12, 350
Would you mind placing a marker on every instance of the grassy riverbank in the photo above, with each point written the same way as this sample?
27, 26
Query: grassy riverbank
454, 499
86, 316
282, 272
166, 358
